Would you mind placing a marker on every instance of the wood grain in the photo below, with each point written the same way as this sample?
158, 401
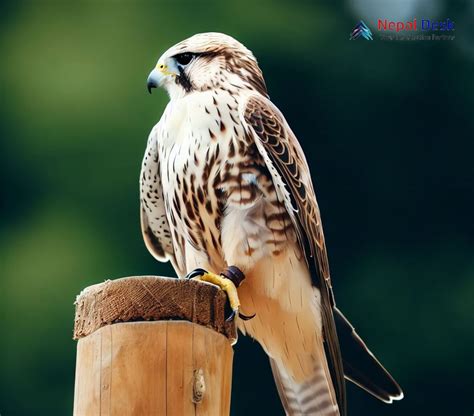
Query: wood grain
153, 346
148, 368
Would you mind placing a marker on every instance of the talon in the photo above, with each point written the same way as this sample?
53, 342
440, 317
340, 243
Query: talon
246, 317
228, 284
232, 316
196, 273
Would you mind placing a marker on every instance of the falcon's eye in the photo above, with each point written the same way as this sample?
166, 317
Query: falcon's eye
184, 58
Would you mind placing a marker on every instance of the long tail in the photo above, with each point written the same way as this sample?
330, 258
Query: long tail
360, 365
313, 397
316, 396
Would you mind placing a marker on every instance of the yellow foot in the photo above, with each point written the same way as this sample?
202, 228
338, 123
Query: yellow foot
226, 285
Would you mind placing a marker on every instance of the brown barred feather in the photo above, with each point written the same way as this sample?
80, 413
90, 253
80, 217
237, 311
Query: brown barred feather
279, 146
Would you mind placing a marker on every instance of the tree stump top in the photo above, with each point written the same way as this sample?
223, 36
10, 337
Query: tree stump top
151, 298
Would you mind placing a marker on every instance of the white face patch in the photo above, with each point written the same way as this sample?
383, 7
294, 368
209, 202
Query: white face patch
218, 61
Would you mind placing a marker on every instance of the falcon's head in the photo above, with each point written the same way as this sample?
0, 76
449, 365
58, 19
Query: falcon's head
206, 61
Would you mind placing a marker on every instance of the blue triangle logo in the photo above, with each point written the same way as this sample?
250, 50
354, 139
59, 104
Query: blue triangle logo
361, 30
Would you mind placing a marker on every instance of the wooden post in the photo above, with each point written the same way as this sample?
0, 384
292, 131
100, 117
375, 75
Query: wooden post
152, 346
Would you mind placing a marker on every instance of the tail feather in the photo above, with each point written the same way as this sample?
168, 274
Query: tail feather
313, 397
360, 365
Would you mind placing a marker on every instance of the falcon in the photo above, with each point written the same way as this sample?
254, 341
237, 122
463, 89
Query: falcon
227, 197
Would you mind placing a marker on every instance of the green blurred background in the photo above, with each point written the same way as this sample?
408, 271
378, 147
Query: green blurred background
388, 130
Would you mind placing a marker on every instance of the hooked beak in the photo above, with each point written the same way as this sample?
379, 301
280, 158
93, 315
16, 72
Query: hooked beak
158, 76
152, 81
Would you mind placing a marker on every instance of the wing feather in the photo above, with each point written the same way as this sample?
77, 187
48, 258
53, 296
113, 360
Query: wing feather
154, 223
287, 164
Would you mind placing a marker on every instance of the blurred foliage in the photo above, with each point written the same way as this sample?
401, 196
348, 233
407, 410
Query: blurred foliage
387, 127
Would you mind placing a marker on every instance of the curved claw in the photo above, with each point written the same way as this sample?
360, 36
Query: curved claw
246, 317
232, 316
195, 273
241, 316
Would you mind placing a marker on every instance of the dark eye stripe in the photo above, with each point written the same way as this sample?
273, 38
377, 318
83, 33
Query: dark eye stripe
183, 80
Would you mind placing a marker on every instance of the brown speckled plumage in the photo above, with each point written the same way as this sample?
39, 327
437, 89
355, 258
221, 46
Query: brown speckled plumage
225, 183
